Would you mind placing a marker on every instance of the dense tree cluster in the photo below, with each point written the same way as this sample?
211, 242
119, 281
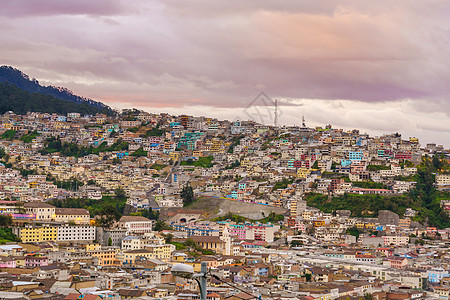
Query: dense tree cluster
53, 145
19, 101
424, 198
204, 162
12, 76
187, 194
109, 209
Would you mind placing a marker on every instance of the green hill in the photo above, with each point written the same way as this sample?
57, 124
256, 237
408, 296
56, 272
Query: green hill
424, 198
10, 75
20, 101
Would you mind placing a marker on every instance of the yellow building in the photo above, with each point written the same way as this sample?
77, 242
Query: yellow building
93, 247
319, 223
33, 184
99, 134
359, 225
168, 146
36, 234
197, 154
105, 257
404, 223
163, 252
370, 225
307, 215
414, 140
180, 257
20, 261
210, 243
216, 145
175, 156
160, 293
196, 265
129, 257
293, 207
303, 172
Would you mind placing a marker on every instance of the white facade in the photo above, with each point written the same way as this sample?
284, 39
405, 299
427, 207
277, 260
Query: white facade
395, 240
79, 216
261, 233
76, 233
42, 211
138, 226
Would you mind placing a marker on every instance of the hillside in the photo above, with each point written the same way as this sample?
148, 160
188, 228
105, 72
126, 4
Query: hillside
213, 207
424, 198
10, 76
20, 101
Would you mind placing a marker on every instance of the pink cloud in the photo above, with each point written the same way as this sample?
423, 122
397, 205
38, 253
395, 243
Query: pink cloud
221, 54
31, 8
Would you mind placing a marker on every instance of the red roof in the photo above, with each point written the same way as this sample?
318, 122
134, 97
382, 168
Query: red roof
213, 295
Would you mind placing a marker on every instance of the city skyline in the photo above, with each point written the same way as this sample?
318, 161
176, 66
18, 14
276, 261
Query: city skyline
378, 68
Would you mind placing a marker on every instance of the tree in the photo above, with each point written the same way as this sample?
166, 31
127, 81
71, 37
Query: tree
150, 214
307, 276
5, 221
161, 225
189, 242
169, 238
353, 231
187, 194
120, 194
315, 165
108, 215
20, 209
109, 241
368, 296
437, 163
296, 243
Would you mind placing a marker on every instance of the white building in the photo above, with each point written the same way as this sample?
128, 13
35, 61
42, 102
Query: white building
76, 233
395, 240
43, 211
79, 216
136, 224
133, 242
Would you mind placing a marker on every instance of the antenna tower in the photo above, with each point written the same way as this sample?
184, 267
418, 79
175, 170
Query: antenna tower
303, 118
276, 113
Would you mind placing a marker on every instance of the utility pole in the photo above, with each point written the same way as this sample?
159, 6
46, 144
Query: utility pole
202, 281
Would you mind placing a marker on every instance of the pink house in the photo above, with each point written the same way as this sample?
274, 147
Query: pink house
386, 251
238, 231
35, 260
397, 262
6, 262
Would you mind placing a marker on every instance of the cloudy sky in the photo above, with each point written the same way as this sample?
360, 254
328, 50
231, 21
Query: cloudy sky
380, 66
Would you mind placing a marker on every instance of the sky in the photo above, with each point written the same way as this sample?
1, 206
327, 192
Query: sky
379, 66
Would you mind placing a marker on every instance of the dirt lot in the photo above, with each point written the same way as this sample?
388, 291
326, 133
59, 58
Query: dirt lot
212, 207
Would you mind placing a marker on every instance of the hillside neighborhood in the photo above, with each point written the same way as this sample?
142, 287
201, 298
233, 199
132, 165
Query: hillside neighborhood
103, 206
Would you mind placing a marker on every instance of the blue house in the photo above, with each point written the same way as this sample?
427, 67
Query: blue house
355, 155
436, 275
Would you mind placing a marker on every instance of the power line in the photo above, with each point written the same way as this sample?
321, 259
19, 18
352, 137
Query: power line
239, 289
